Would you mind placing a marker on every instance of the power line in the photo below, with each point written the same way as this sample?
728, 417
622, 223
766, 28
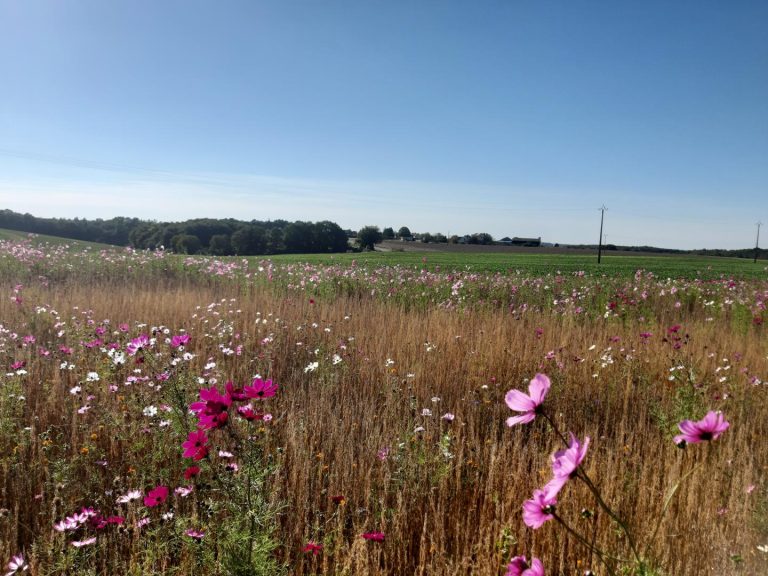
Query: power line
757, 240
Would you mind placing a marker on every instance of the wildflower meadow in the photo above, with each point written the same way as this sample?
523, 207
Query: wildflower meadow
162, 414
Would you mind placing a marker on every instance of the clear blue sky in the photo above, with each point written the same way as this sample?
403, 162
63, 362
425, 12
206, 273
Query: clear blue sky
515, 118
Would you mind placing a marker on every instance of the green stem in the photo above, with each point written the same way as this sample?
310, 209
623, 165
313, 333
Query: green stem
554, 427
667, 502
592, 488
596, 493
600, 554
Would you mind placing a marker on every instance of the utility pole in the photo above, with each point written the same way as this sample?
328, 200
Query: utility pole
600, 244
757, 241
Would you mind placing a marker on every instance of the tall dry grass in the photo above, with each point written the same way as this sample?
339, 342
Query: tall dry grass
449, 497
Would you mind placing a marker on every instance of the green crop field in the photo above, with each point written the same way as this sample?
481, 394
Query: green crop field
683, 266
535, 263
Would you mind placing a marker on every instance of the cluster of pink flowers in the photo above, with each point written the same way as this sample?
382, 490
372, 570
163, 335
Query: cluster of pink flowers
86, 518
213, 407
565, 463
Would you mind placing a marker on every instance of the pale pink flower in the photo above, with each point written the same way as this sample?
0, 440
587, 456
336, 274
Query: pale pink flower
539, 509
86, 542
17, 564
565, 463
529, 403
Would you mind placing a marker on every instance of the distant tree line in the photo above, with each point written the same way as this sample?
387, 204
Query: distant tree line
762, 253
221, 237
404, 233
612, 247
113, 231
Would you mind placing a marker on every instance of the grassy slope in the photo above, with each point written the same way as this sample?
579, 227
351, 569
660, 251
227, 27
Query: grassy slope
17, 236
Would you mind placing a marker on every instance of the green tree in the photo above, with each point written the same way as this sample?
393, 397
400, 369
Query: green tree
388, 233
220, 245
186, 244
299, 238
404, 232
368, 236
249, 239
329, 237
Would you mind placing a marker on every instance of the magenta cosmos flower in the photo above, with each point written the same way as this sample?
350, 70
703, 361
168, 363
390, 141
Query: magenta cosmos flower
539, 509
196, 446
374, 536
529, 403
708, 428
565, 463
313, 547
519, 566
260, 389
180, 340
212, 409
156, 496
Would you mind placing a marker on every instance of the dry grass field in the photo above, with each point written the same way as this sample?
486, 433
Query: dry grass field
388, 421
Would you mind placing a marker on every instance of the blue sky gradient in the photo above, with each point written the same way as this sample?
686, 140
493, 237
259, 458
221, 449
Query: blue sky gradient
515, 118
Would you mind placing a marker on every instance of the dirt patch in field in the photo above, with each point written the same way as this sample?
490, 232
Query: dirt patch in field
398, 246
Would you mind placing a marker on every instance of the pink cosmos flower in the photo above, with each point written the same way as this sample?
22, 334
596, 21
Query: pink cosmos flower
708, 428
374, 536
565, 463
196, 445
156, 496
260, 389
195, 534
527, 403
184, 491
137, 344
519, 567
539, 509
17, 564
249, 414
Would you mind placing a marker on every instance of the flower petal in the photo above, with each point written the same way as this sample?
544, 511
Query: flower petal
538, 388
519, 401
522, 419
